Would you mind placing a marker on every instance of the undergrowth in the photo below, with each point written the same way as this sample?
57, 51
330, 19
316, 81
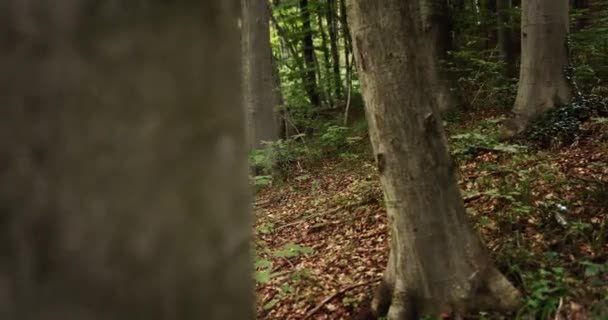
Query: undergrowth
562, 124
541, 212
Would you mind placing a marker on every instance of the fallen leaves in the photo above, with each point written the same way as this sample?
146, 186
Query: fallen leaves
336, 211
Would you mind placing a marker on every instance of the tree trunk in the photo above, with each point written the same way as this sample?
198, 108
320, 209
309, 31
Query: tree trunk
281, 119
124, 183
542, 81
259, 86
505, 37
310, 82
348, 47
488, 21
326, 62
436, 19
332, 13
436, 264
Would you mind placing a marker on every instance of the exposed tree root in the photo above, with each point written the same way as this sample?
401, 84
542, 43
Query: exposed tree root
493, 293
331, 297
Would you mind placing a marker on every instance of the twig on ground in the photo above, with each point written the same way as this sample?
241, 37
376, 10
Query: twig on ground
472, 197
331, 297
559, 309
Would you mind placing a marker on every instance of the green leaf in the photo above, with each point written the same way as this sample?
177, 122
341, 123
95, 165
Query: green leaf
291, 250
263, 264
270, 304
262, 276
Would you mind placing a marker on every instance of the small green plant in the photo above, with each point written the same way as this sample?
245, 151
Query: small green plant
291, 250
262, 181
263, 266
277, 158
263, 269
544, 290
335, 136
562, 124
472, 142
266, 228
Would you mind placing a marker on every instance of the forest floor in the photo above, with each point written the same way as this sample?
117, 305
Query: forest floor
321, 236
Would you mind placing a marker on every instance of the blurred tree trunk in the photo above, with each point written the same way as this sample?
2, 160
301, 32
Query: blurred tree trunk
542, 81
124, 183
436, 264
310, 81
259, 85
505, 37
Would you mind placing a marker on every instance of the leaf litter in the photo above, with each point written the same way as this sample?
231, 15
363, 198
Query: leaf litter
324, 237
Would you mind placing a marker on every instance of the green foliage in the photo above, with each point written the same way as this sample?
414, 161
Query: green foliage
291, 250
479, 74
472, 142
562, 124
594, 269
335, 137
544, 288
263, 266
484, 137
262, 181
589, 47
263, 269
275, 161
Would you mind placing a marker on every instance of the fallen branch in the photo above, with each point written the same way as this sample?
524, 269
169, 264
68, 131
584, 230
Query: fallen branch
333, 296
259, 204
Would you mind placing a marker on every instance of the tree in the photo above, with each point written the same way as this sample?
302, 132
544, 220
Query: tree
326, 58
332, 20
436, 264
261, 97
124, 184
505, 36
542, 80
308, 49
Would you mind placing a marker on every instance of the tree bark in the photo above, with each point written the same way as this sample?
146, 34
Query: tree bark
310, 81
124, 183
436, 264
542, 81
260, 94
348, 47
505, 37
326, 62
332, 13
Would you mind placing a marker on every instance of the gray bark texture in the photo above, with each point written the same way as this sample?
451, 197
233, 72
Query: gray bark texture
544, 57
261, 100
436, 264
124, 183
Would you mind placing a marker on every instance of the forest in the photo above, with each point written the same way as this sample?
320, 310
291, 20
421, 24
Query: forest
521, 90
303, 159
